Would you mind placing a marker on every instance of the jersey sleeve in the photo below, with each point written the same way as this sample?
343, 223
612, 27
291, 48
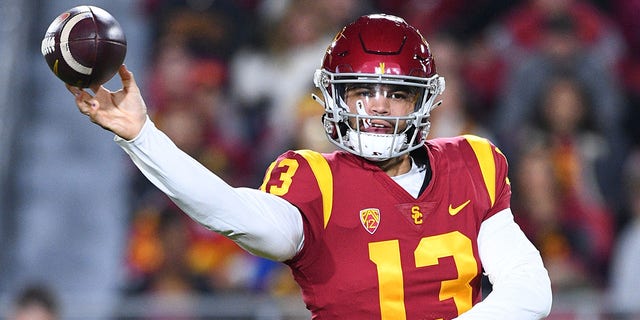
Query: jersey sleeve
303, 178
494, 168
521, 285
260, 223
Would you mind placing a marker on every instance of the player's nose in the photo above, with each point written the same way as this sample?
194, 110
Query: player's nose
378, 105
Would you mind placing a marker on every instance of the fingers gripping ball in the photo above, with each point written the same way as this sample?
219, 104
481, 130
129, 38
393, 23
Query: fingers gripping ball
84, 46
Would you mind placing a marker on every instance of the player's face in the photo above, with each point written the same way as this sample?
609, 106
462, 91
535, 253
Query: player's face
380, 100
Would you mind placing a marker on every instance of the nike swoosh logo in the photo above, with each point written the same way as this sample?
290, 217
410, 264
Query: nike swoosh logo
453, 211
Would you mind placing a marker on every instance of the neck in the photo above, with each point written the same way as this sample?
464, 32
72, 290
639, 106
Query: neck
396, 166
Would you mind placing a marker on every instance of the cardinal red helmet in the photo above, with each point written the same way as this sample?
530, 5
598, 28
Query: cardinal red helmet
378, 50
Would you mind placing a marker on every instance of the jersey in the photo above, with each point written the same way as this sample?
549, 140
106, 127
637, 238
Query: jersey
373, 251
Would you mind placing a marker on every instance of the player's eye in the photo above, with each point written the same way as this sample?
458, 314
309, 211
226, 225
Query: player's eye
366, 93
361, 92
399, 95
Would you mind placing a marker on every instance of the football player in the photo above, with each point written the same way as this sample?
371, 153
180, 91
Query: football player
391, 226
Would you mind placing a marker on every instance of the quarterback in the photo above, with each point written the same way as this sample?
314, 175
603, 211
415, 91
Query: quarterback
392, 226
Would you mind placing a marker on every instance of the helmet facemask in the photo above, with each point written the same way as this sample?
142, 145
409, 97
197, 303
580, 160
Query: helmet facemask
352, 130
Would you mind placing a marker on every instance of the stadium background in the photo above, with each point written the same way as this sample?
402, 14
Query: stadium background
77, 218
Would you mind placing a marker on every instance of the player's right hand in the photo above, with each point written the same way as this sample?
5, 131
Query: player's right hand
122, 112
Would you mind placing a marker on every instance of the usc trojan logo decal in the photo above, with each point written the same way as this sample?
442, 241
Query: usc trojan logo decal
370, 219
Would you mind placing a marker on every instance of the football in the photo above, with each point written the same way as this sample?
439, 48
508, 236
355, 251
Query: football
84, 46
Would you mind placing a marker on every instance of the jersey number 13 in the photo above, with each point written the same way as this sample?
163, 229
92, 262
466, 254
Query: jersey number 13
386, 256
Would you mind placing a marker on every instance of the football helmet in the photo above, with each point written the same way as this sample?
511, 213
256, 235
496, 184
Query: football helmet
377, 50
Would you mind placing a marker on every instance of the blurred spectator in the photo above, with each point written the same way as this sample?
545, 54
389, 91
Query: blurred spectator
215, 136
158, 251
624, 275
456, 115
428, 16
341, 12
171, 255
294, 46
189, 84
203, 122
525, 29
548, 37
169, 73
160, 246
209, 28
452, 117
627, 14
569, 234
484, 74
566, 121
35, 302
308, 113
462, 18
336, 12
482, 69
577, 219
560, 50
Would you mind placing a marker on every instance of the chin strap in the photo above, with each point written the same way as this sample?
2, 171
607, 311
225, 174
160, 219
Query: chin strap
317, 99
435, 105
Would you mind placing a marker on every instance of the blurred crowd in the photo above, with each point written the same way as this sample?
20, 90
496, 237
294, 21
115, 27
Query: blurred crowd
554, 83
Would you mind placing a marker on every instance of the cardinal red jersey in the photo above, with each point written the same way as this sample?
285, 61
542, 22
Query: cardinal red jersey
373, 251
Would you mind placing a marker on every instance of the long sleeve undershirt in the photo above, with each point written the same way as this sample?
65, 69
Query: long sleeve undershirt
271, 227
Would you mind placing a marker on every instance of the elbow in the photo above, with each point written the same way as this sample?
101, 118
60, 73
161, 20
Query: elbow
266, 243
526, 294
548, 298
543, 301
265, 249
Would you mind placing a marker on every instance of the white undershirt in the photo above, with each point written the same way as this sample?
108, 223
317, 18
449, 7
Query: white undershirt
271, 227
412, 181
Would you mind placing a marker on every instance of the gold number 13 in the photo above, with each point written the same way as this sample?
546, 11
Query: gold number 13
386, 256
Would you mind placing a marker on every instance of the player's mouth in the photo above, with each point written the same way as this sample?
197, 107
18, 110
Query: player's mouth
377, 126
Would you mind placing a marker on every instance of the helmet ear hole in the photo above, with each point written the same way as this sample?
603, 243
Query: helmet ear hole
334, 129
330, 127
